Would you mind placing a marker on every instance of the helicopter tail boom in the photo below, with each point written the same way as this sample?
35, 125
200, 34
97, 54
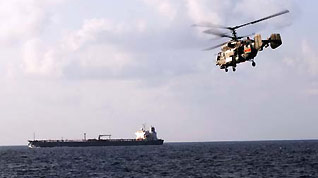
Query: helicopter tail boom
274, 41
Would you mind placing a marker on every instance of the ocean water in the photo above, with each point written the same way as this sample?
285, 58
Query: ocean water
213, 159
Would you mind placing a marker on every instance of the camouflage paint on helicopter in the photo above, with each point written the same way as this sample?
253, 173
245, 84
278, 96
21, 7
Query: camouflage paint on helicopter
235, 52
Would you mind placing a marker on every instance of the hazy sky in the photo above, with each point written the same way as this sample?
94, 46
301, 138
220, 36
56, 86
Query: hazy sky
74, 66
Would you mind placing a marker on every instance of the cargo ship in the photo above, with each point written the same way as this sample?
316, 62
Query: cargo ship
143, 137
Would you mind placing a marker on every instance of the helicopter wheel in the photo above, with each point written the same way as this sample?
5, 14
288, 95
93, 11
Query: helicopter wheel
234, 69
226, 70
253, 64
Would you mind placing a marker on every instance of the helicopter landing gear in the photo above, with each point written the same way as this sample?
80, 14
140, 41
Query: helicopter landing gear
226, 70
234, 69
253, 64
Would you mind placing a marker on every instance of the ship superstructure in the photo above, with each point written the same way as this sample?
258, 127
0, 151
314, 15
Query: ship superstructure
143, 134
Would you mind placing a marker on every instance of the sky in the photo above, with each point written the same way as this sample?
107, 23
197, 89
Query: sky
69, 67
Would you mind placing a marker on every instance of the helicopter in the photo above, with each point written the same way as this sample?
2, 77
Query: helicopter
238, 49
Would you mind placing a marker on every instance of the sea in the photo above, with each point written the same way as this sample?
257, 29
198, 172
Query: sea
200, 159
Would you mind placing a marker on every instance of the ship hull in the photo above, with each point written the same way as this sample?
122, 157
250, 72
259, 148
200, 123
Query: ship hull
88, 143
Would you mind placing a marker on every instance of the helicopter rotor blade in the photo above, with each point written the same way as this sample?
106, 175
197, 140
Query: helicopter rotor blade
216, 33
215, 38
210, 25
213, 47
265, 18
240, 37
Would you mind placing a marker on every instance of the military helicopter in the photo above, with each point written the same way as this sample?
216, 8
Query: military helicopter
237, 50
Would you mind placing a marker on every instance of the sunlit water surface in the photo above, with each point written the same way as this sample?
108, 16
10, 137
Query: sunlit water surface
212, 159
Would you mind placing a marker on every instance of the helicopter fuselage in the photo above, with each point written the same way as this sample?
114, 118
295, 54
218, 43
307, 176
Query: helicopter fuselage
235, 52
238, 51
